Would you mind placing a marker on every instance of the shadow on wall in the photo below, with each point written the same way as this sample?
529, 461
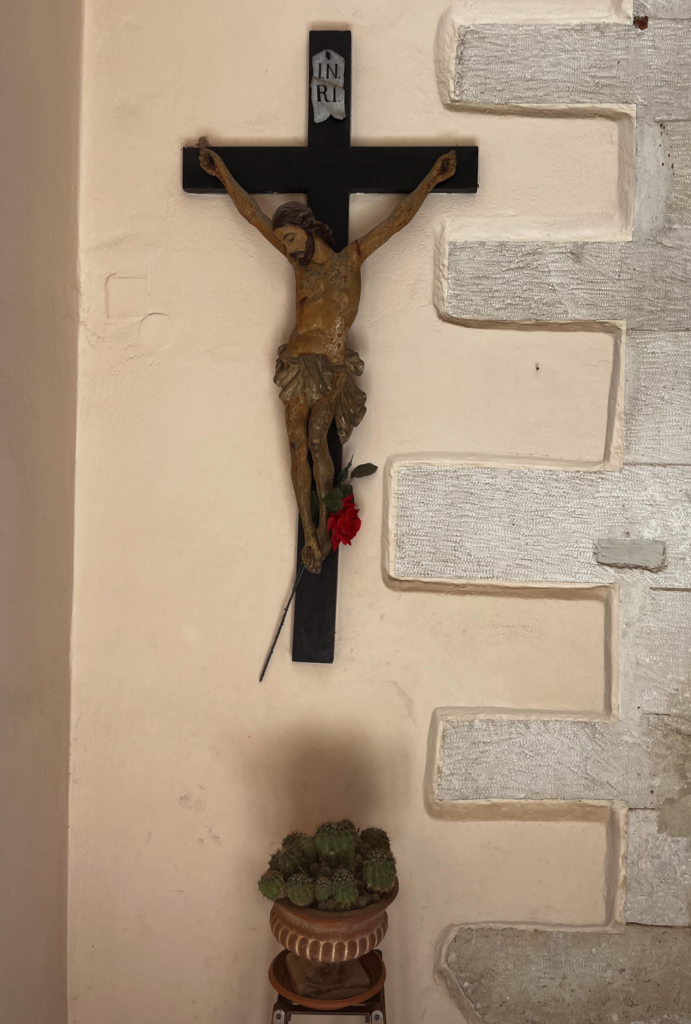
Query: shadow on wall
308, 776
301, 777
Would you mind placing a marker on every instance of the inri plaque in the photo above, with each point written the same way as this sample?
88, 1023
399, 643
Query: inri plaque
328, 86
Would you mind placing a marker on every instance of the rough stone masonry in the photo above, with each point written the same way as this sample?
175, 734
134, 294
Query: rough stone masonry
628, 530
526, 977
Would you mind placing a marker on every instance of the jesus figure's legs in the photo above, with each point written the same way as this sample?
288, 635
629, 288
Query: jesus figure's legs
320, 420
297, 416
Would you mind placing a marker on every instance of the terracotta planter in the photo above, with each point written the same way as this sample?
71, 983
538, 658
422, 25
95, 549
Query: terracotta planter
331, 937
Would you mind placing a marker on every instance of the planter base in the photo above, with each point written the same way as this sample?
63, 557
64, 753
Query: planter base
370, 1002
317, 980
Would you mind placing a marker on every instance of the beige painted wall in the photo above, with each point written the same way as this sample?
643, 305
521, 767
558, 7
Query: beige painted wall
185, 769
39, 104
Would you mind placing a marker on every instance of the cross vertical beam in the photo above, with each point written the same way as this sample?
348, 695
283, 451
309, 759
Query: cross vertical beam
314, 617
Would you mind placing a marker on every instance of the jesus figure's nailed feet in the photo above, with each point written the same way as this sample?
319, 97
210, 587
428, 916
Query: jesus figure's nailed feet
312, 556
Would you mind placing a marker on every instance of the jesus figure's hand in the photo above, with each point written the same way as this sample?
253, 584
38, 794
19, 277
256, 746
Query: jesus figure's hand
210, 162
445, 166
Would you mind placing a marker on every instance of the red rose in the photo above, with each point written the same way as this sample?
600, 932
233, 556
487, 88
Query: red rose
344, 524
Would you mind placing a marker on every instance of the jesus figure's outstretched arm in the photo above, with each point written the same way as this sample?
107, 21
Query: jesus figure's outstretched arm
444, 168
213, 165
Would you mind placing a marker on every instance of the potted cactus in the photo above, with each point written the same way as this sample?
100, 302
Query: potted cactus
330, 891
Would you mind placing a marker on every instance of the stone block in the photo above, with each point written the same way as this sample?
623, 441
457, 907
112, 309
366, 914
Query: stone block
674, 151
654, 652
534, 525
658, 398
519, 976
640, 762
658, 872
662, 8
631, 553
576, 64
643, 283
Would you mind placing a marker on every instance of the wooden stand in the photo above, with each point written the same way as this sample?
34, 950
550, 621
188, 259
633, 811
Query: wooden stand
372, 1012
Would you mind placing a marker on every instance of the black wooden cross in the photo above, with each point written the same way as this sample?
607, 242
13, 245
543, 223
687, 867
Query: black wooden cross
328, 169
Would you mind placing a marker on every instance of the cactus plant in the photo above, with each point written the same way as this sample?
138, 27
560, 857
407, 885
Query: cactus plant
300, 889
375, 839
337, 869
287, 862
294, 841
344, 889
335, 838
323, 889
309, 849
344, 860
379, 870
272, 886
301, 844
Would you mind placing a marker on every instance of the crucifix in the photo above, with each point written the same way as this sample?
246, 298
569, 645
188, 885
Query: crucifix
315, 371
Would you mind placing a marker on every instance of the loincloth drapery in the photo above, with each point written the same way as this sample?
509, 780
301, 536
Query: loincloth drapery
315, 377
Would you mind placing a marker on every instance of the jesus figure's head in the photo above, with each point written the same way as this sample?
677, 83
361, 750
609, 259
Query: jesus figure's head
295, 226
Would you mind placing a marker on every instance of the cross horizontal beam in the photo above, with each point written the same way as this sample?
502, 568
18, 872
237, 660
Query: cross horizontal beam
371, 169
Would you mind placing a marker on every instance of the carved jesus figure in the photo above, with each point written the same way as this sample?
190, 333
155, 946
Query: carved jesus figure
315, 370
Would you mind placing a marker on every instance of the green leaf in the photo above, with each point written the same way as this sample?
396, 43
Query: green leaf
314, 506
366, 469
344, 472
334, 500
346, 490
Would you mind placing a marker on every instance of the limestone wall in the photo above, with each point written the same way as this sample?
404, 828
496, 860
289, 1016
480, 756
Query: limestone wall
185, 770
614, 534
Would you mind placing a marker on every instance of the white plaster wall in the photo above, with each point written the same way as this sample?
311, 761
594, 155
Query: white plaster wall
39, 106
185, 769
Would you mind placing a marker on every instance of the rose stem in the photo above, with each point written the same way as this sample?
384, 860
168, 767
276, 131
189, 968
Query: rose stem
280, 626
